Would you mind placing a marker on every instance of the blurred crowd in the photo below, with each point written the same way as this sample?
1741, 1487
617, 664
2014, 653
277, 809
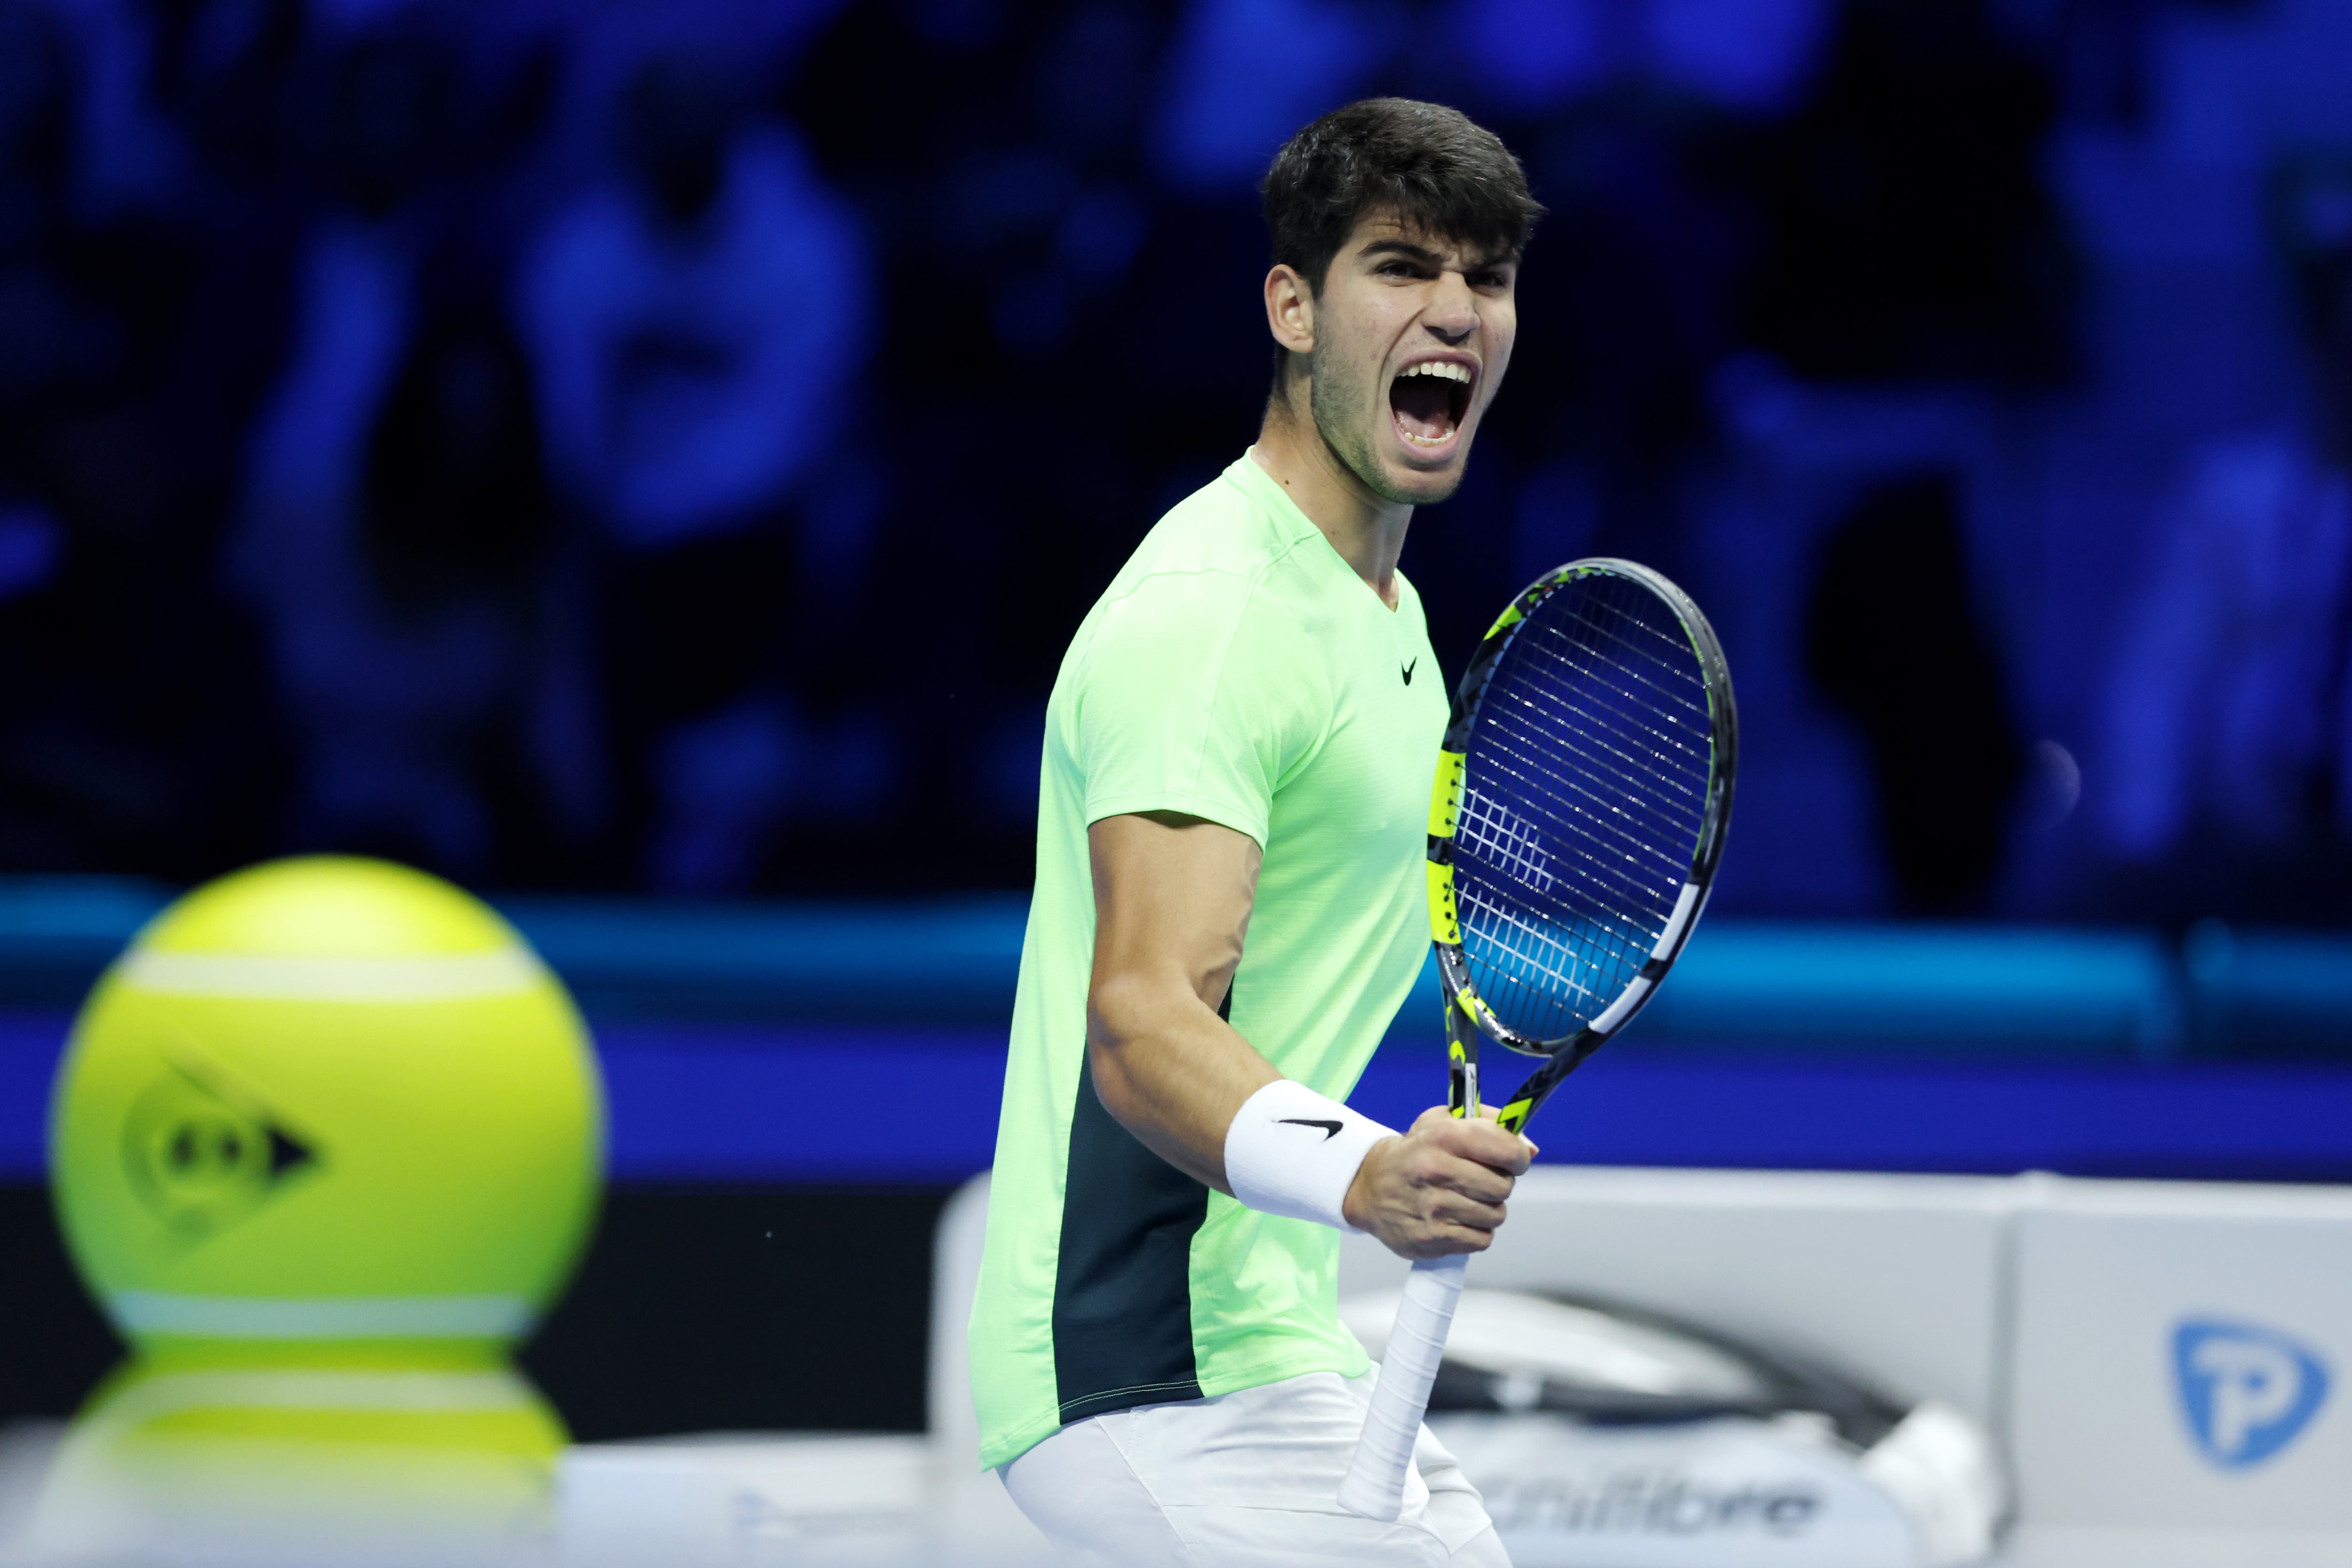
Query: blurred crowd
410, 426
667, 446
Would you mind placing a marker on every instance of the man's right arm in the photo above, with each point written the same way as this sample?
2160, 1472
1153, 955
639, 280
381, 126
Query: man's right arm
1172, 898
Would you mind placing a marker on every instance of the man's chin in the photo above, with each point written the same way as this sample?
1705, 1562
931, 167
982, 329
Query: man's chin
1401, 484
1396, 477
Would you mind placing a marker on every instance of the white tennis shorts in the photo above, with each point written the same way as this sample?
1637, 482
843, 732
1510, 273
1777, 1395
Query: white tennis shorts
1248, 1480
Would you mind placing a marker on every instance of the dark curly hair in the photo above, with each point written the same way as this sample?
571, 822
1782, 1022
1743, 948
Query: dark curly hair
1431, 167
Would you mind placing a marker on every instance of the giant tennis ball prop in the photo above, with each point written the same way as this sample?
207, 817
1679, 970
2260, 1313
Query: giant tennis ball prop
326, 1107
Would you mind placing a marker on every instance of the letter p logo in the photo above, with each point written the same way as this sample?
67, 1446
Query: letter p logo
2247, 1391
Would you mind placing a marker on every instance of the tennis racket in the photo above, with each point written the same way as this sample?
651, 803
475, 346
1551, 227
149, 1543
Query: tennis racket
1581, 798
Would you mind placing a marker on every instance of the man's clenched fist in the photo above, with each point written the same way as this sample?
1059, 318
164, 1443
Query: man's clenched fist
1441, 1187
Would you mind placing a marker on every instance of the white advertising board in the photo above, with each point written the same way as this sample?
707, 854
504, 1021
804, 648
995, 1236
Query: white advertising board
2179, 1357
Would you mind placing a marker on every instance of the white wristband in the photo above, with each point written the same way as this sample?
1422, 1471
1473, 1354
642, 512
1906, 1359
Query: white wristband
1293, 1151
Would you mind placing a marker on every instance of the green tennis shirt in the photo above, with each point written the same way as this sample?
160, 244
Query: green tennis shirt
1237, 669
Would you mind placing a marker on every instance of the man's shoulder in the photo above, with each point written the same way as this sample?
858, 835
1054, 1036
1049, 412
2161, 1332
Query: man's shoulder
1215, 569
1227, 527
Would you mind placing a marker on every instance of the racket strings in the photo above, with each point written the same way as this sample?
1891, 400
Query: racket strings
1567, 966
1682, 715
1666, 656
1593, 956
1609, 823
1516, 854
1687, 717
1589, 957
1583, 798
1625, 771
1583, 834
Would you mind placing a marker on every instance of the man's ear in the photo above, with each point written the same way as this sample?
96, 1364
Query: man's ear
1290, 310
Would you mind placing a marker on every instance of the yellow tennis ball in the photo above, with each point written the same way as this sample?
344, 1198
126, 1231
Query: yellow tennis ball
326, 1102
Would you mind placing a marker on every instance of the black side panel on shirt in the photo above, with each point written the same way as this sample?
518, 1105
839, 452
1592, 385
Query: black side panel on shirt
1122, 1295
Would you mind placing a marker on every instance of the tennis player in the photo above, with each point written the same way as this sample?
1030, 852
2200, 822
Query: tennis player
1229, 910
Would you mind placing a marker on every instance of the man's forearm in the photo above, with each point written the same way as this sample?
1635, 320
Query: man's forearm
1171, 908
1199, 1096
1169, 1070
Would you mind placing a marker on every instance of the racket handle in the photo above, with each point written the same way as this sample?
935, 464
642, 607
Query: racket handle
1375, 1485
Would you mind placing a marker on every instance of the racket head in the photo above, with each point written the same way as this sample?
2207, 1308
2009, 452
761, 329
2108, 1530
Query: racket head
1579, 812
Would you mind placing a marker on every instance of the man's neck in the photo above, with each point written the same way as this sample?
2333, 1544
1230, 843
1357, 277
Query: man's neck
1367, 531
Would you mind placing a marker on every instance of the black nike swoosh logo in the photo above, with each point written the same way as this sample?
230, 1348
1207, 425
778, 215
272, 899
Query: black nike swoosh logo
1330, 1128
1408, 668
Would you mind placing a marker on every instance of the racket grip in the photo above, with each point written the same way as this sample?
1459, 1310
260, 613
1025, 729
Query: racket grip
1375, 1485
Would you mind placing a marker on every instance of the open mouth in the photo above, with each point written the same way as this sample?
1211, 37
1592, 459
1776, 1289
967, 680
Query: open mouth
1429, 402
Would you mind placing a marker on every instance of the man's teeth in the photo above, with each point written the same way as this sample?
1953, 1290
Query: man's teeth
1442, 370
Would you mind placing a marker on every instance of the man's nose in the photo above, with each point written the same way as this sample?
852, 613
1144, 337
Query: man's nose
1452, 314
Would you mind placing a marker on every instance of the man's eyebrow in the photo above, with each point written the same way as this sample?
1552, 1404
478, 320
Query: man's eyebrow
1405, 248
1392, 246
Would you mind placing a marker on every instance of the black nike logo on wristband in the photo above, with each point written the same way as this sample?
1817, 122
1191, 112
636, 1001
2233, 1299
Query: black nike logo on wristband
1330, 1128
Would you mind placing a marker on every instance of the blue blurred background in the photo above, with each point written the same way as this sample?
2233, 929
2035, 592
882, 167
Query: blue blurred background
644, 460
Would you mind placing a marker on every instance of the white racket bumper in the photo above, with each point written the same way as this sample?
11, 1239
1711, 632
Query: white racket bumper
1375, 1485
